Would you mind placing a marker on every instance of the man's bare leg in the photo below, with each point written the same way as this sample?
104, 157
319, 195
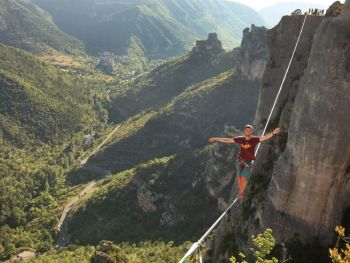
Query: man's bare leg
242, 184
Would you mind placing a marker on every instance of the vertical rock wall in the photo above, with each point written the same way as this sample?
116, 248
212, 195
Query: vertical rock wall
301, 181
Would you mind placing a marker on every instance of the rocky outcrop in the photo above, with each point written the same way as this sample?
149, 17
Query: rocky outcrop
220, 170
253, 53
108, 252
107, 63
170, 216
146, 199
301, 181
209, 45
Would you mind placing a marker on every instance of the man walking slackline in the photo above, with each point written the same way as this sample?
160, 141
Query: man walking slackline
246, 154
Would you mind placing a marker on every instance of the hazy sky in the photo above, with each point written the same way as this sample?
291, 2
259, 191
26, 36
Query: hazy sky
259, 4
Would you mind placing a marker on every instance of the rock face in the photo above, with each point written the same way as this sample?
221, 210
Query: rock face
146, 199
301, 181
253, 53
220, 170
346, 9
281, 41
309, 190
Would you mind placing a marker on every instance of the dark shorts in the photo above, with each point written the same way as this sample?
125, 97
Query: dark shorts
244, 170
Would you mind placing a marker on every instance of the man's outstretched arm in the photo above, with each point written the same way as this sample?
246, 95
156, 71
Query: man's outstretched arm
270, 135
223, 140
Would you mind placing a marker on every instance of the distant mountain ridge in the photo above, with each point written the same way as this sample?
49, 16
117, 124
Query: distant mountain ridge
156, 28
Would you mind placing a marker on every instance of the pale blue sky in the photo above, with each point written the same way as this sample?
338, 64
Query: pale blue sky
259, 4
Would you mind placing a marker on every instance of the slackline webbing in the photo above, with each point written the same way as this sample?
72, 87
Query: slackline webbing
280, 89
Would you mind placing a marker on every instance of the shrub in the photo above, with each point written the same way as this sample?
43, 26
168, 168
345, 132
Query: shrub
264, 244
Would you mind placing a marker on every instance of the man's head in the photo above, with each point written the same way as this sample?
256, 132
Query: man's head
248, 130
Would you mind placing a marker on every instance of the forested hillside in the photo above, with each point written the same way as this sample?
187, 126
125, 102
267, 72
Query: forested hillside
38, 103
44, 114
26, 26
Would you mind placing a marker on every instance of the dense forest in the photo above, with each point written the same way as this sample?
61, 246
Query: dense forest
44, 115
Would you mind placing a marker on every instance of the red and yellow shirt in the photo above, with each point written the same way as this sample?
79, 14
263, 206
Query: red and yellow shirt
247, 147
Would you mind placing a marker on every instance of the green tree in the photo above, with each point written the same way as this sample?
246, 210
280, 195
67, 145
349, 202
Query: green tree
9, 250
17, 217
264, 244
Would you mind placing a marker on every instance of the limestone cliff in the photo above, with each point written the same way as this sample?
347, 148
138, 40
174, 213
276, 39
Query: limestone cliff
309, 189
300, 186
